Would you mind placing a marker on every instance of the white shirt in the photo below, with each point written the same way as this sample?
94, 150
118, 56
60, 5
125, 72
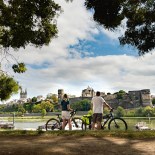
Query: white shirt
97, 102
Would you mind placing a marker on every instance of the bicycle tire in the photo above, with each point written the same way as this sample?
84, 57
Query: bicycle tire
52, 124
117, 124
77, 123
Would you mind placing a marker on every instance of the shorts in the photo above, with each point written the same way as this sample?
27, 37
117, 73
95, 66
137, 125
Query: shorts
65, 115
97, 117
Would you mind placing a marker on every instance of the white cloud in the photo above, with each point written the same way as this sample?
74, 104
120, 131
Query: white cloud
72, 72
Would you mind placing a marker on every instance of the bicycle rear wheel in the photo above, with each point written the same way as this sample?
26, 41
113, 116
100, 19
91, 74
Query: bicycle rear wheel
117, 124
52, 124
77, 123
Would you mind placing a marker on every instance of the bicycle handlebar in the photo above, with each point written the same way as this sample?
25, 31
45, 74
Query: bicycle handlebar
111, 110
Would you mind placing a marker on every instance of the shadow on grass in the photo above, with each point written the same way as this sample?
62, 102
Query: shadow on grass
76, 143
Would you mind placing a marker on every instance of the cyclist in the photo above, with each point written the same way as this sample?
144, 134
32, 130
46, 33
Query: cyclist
65, 112
97, 105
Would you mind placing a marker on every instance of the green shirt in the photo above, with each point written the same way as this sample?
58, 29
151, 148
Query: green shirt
64, 105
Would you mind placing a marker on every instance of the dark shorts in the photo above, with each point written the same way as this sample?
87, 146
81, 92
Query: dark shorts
97, 117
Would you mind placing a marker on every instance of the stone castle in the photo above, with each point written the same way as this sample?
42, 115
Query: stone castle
132, 99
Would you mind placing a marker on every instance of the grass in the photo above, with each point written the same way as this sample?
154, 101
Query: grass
121, 134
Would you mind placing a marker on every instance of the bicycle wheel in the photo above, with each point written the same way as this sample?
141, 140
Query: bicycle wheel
117, 124
52, 124
77, 123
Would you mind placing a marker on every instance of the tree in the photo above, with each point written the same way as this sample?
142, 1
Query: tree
26, 22
8, 87
34, 99
139, 16
43, 112
120, 112
148, 111
36, 108
21, 109
153, 101
23, 22
120, 94
139, 112
47, 106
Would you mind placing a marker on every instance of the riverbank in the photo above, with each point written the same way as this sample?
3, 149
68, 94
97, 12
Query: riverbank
77, 143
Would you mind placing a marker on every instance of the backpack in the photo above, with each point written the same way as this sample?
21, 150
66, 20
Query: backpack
86, 119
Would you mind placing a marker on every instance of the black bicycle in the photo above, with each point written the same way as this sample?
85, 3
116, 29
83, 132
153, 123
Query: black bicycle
56, 123
114, 123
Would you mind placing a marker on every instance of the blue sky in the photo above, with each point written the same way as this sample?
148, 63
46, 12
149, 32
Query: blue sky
84, 54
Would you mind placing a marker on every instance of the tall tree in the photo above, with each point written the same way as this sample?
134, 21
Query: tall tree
139, 16
27, 21
24, 22
8, 87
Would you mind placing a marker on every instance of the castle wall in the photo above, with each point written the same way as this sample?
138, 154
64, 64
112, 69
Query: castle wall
133, 99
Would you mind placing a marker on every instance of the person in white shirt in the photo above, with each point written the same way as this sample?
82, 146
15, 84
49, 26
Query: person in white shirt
98, 104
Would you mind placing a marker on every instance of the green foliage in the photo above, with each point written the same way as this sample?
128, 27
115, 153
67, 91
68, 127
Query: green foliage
21, 109
24, 22
83, 105
36, 108
139, 16
120, 94
139, 112
105, 111
19, 68
120, 112
8, 87
153, 101
53, 98
148, 111
43, 113
34, 99
47, 106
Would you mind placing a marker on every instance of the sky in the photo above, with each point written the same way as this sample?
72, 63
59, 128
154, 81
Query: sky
84, 54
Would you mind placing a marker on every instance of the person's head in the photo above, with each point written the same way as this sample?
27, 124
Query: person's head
65, 96
97, 93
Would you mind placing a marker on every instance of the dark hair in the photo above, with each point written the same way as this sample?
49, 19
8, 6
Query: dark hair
65, 96
97, 93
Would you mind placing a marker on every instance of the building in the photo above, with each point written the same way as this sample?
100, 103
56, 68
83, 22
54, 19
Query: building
88, 92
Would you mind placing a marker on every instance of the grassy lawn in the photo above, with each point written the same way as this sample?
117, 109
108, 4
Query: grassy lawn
120, 134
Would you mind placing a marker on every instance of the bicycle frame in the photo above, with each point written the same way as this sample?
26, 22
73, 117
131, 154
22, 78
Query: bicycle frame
72, 114
107, 117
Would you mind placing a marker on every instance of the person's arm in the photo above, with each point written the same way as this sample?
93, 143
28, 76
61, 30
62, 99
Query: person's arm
91, 105
107, 105
68, 107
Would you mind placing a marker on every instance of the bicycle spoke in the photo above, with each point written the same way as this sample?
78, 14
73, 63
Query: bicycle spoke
76, 124
117, 124
52, 124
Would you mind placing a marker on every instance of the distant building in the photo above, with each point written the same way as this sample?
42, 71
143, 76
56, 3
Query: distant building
40, 98
23, 94
60, 94
88, 92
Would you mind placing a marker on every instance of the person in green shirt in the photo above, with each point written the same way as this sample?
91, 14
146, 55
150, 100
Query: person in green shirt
65, 112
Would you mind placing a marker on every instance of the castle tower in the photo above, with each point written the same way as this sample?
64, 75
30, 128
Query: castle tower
60, 94
23, 94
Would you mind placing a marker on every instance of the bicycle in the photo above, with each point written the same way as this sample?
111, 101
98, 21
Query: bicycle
114, 123
56, 123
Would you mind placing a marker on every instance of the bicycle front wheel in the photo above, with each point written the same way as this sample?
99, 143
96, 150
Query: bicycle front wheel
52, 124
117, 124
77, 123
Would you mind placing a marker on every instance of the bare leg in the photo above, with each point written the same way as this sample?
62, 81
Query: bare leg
69, 124
98, 125
63, 124
93, 126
